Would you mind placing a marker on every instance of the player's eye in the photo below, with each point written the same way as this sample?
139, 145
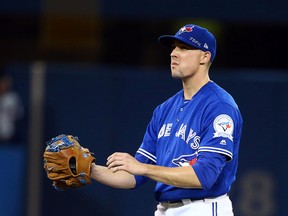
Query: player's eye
173, 47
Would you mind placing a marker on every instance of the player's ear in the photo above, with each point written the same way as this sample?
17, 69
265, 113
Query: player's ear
205, 57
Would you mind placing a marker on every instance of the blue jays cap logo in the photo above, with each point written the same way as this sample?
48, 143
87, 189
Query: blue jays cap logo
185, 29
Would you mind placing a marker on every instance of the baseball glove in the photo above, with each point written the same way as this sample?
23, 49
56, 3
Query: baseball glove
67, 163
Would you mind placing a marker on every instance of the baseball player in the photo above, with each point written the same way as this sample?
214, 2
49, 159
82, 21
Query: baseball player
191, 144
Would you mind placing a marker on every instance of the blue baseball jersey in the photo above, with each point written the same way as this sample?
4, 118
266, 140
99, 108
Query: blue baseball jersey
181, 130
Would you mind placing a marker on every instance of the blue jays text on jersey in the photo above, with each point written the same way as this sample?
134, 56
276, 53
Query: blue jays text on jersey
180, 130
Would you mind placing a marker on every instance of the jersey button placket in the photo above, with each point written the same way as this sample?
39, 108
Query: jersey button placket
181, 110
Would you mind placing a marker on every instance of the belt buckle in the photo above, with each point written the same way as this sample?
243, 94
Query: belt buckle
186, 201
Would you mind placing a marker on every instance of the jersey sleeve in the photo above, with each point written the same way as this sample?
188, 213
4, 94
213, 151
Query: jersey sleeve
208, 167
220, 125
146, 153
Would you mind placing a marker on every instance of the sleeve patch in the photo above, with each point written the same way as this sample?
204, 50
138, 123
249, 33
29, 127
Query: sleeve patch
223, 126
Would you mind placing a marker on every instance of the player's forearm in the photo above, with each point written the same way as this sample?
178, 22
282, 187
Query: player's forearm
105, 176
183, 177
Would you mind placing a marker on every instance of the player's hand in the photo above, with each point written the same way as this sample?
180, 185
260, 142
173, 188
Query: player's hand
124, 161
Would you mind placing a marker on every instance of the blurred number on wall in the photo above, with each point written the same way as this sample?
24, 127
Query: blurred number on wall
256, 196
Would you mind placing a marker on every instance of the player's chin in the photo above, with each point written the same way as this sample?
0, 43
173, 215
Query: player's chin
175, 74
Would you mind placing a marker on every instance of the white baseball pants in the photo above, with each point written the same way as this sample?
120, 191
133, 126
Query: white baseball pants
219, 206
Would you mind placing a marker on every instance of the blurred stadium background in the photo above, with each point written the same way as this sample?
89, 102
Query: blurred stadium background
94, 68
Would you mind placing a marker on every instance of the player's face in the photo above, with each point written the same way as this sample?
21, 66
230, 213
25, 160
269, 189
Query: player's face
185, 60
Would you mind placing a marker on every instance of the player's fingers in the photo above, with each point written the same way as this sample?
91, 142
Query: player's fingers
114, 163
111, 163
116, 160
112, 156
118, 156
116, 169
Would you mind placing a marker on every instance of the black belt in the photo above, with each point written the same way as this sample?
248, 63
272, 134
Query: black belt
192, 200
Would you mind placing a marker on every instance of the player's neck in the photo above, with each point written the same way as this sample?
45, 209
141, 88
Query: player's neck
192, 86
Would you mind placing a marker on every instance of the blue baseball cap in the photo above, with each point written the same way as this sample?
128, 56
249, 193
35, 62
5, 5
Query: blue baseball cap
194, 36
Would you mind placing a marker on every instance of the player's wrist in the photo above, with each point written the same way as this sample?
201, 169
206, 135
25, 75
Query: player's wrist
145, 170
93, 170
